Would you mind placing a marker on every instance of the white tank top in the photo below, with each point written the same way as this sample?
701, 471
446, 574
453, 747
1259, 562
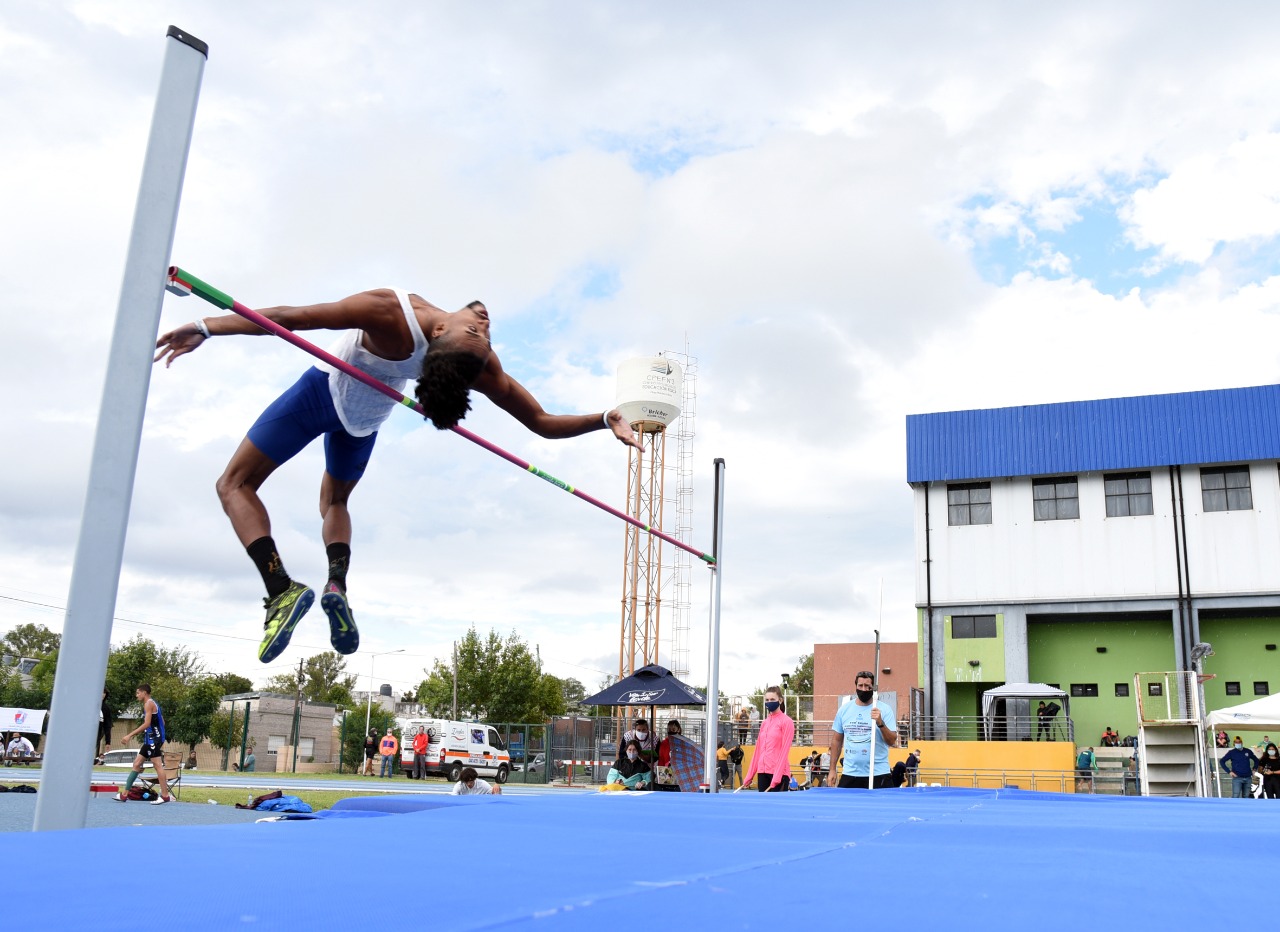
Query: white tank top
361, 409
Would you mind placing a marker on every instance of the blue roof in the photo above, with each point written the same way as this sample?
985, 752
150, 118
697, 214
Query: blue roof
1221, 426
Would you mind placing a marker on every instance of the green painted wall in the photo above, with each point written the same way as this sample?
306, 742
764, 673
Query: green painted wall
1240, 654
989, 652
1065, 652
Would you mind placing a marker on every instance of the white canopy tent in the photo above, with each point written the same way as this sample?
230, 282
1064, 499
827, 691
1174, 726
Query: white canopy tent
1259, 715
1007, 714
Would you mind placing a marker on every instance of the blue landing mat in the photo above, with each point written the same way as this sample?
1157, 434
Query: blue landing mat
924, 858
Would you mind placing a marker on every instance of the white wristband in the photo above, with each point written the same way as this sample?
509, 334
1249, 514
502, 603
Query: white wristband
201, 326
605, 418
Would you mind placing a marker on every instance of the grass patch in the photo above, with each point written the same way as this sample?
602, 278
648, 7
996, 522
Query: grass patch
228, 796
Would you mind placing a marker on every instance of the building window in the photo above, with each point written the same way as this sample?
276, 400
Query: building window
306, 748
1261, 688
1056, 499
1155, 689
276, 742
1128, 494
1226, 488
969, 503
973, 626
1233, 689
1083, 689
1122, 690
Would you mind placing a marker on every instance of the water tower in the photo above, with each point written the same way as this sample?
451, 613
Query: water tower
653, 391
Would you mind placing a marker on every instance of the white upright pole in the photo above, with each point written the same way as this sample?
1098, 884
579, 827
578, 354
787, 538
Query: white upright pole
95, 575
875, 700
711, 732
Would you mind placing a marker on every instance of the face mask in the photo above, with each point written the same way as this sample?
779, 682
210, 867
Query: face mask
631, 754
641, 733
1238, 745
864, 695
772, 706
1271, 753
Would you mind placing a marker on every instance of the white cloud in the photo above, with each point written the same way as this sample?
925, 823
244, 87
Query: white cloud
1227, 196
804, 235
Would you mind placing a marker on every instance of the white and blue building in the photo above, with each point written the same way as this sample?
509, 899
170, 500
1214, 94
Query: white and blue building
1077, 544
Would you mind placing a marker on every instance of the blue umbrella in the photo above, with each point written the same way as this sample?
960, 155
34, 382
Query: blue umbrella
651, 685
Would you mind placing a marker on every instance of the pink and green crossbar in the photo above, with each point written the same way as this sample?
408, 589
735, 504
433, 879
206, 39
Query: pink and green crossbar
182, 282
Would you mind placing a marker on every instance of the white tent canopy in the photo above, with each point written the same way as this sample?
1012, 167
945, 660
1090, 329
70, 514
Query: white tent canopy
1259, 715
1018, 717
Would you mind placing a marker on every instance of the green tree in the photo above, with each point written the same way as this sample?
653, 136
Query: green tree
498, 681
30, 640
191, 720
221, 723
324, 679
233, 683
802, 678
573, 692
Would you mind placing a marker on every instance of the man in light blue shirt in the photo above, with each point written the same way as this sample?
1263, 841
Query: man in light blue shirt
852, 731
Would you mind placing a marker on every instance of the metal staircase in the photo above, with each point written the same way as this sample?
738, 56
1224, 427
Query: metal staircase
1171, 738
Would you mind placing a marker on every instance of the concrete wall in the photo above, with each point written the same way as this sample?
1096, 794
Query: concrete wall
1019, 559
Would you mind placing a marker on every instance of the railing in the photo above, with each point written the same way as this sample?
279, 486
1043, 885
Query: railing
977, 728
1168, 698
1113, 781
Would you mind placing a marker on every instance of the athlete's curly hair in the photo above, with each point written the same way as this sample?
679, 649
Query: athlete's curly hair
444, 388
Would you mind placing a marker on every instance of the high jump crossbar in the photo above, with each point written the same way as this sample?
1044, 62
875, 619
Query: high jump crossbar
182, 283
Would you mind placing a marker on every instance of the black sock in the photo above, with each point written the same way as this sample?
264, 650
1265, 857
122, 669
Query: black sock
263, 553
339, 555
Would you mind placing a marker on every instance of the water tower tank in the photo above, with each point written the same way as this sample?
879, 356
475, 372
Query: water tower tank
384, 689
649, 392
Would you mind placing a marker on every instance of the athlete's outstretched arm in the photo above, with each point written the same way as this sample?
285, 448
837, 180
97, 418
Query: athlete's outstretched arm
369, 311
516, 400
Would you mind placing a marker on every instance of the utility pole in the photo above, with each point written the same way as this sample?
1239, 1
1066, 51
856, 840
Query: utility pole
455, 681
297, 704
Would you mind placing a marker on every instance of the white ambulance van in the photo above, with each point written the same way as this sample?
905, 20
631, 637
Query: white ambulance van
454, 745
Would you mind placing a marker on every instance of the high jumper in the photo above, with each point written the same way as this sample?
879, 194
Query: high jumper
392, 336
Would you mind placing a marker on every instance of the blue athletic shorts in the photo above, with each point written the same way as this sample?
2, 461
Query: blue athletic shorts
300, 415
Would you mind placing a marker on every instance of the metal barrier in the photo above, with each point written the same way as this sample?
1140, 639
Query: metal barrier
975, 728
1112, 781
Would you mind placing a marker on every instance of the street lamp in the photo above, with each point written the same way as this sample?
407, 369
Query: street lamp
368, 711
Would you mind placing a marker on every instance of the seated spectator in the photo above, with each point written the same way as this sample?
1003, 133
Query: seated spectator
898, 775
470, 784
913, 767
19, 749
1110, 739
1221, 739
644, 738
250, 762
683, 757
191, 760
630, 769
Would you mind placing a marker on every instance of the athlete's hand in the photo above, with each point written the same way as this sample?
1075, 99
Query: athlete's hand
177, 343
622, 430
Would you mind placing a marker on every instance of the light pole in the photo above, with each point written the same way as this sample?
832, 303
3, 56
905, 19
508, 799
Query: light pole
368, 710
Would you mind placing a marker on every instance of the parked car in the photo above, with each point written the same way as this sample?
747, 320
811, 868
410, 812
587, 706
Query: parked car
119, 758
537, 765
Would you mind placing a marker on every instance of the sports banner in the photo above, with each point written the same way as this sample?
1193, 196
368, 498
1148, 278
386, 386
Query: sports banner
29, 720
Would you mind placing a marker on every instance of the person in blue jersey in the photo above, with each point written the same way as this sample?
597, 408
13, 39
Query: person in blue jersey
851, 732
152, 731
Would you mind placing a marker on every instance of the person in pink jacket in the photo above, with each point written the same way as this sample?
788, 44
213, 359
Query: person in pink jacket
771, 763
